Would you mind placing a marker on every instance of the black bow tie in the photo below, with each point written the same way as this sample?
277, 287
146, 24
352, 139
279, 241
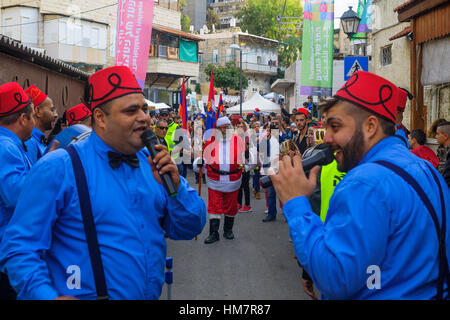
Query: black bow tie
116, 159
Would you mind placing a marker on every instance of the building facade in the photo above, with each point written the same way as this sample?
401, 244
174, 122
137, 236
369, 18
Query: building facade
196, 11
227, 11
173, 54
78, 32
259, 58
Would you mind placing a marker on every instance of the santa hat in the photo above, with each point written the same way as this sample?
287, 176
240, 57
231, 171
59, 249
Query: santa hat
109, 84
223, 121
78, 113
36, 95
12, 98
372, 93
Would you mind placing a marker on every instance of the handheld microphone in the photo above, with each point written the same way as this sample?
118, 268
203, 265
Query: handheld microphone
150, 140
320, 155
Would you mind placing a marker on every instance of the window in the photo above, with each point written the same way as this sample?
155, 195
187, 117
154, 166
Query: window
386, 55
215, 56
162, 52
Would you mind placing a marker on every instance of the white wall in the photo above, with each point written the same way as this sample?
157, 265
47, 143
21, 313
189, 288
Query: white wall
20, 23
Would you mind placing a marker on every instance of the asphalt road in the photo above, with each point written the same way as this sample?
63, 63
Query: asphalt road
258, 264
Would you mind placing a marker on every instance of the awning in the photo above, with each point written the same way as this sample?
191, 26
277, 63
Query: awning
402, 33
178, 33
282, 84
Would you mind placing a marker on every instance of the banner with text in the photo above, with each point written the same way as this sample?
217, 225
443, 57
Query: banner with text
134, 30
317, 48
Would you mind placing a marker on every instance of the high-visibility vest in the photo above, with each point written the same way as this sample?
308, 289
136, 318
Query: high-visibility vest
170, 135
329, 178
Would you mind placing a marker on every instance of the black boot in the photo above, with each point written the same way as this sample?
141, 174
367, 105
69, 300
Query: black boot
213, 231
228, 228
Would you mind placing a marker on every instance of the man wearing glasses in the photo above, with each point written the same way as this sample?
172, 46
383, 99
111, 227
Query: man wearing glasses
161, 130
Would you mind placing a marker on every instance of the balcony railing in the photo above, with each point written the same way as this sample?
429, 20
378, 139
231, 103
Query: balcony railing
260, 68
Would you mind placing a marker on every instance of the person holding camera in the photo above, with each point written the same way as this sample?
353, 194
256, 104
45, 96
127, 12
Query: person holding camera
384, 236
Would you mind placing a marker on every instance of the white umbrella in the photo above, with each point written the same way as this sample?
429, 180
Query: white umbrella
161, 105
150, 103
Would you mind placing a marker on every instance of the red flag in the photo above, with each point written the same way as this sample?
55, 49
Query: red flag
183, 108
219, 109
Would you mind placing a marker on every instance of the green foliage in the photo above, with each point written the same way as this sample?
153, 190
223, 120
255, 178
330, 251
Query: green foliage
259, 17
212, 19
184, 19
280, 75
226, 76
198, 88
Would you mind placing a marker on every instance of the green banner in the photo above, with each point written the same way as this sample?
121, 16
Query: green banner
317, 48
188, 51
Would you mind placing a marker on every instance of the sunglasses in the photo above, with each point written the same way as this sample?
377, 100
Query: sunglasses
163, 128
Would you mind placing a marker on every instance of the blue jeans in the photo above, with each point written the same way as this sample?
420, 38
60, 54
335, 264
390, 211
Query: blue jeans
182, 169
256, 177
272, 201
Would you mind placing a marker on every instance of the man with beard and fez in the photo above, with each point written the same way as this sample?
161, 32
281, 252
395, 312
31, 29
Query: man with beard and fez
44, 115
103, 237
300, 137
384, 235
16, 126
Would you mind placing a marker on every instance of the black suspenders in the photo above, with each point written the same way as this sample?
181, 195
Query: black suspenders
440, 231
89, 225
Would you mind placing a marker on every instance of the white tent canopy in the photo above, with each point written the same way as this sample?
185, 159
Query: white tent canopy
256, 101
160, 105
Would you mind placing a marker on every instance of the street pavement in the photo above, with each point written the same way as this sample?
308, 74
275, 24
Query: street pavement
258, 264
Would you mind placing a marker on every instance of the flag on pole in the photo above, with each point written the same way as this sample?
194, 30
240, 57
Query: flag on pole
365, 14
134, 29
183, 107
210, 110
219, 110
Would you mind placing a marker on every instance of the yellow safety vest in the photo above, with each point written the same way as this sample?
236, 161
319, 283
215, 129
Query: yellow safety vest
170, 134
329, 178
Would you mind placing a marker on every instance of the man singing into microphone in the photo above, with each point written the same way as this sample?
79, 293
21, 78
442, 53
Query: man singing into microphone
45, 251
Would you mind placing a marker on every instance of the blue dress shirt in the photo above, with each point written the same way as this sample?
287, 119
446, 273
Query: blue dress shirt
375, 219
35, 146
15, 165
45, 241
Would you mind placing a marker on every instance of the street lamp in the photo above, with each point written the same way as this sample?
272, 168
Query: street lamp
236, 47
350, 23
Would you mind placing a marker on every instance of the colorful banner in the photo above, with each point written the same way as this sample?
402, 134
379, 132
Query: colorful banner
134, 30
210, 110
365, 13
317, 48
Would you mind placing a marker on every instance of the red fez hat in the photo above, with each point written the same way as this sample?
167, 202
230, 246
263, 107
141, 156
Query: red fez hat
109, 84
304, 111
257, 110
36, 95
372, 93
77, 113
12, 98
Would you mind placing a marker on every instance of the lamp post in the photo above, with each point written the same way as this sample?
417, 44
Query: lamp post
236, 47
350, 23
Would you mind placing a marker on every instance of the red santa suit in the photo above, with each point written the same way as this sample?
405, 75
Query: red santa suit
224, 157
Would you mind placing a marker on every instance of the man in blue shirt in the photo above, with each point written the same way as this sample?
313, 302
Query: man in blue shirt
16, 125
379, 239
44, 115
44, 249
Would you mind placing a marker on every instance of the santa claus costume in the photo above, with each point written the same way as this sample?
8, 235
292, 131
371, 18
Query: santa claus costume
223, 154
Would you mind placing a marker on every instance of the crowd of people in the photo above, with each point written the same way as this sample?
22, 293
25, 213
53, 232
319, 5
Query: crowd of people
85, 206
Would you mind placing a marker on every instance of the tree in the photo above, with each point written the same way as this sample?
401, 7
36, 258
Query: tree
226, 76
259, 17
212, 19
184, 19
